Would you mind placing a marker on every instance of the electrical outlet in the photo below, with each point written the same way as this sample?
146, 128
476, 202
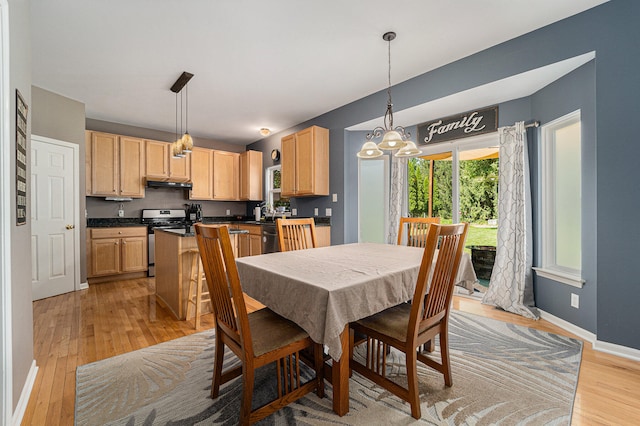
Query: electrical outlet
120, 213
294, 212
575, 301
315, 211
335, 198
327, 212
228, 212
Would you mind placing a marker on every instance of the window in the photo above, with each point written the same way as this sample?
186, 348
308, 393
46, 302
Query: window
272, 183
561, 196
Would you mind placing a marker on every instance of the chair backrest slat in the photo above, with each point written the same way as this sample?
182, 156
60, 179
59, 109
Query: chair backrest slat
296, 234
223, 281
432, 298
416, 230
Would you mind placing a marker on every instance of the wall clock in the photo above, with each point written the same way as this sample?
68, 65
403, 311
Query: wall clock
275, 155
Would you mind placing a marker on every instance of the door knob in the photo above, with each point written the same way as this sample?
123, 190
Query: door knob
70, 226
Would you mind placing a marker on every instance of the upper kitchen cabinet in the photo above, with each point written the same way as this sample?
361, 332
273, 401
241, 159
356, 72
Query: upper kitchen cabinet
226, 173
305, 163
117, 165
161, 165
201, 174
251, 176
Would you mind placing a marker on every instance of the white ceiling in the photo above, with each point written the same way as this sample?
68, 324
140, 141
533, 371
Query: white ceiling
257, 63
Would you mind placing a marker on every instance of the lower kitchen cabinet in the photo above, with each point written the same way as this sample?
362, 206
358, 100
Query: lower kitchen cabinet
323, 236
114, 252
249, 244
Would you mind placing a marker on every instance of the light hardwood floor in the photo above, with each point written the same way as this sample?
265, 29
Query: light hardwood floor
113, 318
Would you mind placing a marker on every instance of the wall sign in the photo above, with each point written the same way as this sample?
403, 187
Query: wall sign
459, 126
21, 160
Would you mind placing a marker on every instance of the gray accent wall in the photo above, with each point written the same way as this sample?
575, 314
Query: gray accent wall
609, 308
575, 91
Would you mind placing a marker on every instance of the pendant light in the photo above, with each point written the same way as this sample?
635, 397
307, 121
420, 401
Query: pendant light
392, 137
184, 144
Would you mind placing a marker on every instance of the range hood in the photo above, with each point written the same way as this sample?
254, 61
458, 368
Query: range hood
167, 184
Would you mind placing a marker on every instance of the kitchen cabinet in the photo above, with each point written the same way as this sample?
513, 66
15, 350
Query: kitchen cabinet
117, 165
250, 244
226, 176
161, 165
116, 251
251, 176
323, 236
201, 174
305, 163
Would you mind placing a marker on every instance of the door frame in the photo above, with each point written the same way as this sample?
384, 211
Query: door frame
76, 201
6, 346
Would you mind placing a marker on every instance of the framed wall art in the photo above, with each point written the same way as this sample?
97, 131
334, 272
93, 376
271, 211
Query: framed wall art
21, 159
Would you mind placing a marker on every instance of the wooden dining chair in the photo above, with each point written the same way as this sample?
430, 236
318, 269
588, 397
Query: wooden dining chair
409, 326
416, 230
296, 234
259, 338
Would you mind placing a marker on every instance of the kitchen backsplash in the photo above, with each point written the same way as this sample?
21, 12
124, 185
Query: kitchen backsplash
161, 198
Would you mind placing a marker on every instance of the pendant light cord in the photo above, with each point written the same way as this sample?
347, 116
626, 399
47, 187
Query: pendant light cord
389, 114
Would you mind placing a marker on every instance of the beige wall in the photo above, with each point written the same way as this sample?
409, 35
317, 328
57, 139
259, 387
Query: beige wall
21, 306
61, 118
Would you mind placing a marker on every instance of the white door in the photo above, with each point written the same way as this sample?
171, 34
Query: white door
53, 226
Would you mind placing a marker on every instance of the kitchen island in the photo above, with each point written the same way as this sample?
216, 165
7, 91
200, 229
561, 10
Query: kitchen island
174, 252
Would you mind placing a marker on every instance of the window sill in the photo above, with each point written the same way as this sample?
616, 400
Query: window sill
561, 277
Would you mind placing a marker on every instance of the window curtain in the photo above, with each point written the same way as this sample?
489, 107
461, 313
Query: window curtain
396, 196
511, 285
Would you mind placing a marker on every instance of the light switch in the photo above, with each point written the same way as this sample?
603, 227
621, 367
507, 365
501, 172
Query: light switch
315, 211
335, 198
327, 212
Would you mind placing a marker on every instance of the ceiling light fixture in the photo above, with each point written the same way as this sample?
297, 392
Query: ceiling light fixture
265, 132
392, 137
184, 144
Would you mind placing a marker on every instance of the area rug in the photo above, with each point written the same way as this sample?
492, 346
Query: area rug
503, 374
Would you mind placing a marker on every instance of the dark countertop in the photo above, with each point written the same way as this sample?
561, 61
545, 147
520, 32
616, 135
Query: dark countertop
239, 220
190, 232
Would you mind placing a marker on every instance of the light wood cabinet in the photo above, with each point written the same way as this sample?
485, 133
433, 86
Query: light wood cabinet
250, 244
323, 236
201, 174
251, 176
116, 165
116, 251
161, 165
305, 163
226, 176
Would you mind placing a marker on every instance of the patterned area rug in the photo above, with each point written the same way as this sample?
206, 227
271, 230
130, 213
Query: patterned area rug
502, 374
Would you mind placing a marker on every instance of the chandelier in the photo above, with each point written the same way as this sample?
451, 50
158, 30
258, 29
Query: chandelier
184, 143
392, 137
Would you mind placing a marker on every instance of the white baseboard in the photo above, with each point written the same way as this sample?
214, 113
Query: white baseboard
26, 393
598, 345
566, 325
618, 350
84, 286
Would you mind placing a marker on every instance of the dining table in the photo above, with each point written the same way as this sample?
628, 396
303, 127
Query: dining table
324, 289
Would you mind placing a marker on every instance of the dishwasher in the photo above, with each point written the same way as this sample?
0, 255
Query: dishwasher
269, 238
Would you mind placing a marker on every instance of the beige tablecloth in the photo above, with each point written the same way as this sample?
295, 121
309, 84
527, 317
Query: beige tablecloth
324, 289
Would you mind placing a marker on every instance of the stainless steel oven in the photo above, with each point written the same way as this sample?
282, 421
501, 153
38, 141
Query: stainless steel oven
161, 219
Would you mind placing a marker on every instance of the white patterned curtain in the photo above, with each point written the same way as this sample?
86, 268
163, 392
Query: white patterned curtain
396, 196
511, 285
